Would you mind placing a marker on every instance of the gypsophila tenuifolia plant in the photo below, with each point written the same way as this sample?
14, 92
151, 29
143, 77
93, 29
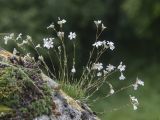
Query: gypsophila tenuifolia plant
94, 73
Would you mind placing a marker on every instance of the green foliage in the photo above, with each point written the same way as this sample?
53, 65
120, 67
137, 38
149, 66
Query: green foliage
41, 106
74, 90
8, 87
133, 23
144, 16
20, 93
5, 110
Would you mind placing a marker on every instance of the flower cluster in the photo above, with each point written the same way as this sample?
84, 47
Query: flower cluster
98, 22
109, 44
109, 68
20, 42
99, 44
134, 102
8, 37
121, 68
94, 74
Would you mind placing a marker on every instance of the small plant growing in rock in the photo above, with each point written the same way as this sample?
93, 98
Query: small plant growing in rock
94, 74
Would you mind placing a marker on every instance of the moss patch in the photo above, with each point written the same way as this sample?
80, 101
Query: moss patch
23, 93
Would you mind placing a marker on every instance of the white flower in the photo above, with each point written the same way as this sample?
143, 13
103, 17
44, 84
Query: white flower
48, 42
15, 51
111, 45
135, 107
19, 36
11, 35
72, 35
98, 44
63, 21
24, 42
59, 49
121, 67
28, 55
73, 70
97, 22
38, 46
51, 26
110, 68
41, 58
7, 38
88, 69
60, 35
60, 22
134, 102
104, 44
103, 27
97, 66
2, 114
122, 77
105, 72
138, 82
99, 74
29, 38
135, 86
19, 44
111, 91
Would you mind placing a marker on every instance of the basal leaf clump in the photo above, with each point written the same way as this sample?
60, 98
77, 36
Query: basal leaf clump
71, 88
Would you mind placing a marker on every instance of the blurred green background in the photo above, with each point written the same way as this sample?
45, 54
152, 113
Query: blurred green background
134, 27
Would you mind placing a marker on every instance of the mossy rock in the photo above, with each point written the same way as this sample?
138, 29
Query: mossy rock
23, 91
26, 93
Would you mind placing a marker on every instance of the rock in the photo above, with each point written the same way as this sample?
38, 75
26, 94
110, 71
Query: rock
39, 96
43, 117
